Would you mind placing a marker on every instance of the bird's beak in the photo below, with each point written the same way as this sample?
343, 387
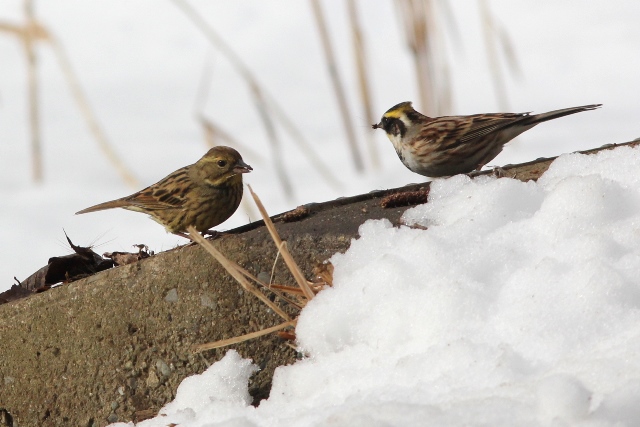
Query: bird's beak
376, 125
242, 167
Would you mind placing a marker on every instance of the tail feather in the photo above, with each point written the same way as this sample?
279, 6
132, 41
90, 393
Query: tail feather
543, 117
118, 203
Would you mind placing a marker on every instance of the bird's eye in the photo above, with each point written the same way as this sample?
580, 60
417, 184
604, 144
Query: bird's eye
222, 163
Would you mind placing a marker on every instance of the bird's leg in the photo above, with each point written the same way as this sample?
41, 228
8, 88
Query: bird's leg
181, 234
213, 233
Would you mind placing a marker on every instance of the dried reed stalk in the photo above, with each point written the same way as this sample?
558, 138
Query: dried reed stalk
338, 89
32, 32
235, 271
29, 40
242, 338
417, 18
489, 33
286, 255
363, 79
89, 116
495, 36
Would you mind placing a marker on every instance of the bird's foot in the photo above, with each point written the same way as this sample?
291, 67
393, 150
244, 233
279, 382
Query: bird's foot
213, 233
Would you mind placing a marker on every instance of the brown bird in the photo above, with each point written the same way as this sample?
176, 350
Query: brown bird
449, 145
204, 194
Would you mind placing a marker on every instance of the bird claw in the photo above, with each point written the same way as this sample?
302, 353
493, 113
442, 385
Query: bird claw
213, 233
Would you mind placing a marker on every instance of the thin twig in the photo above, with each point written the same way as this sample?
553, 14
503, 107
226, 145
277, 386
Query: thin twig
242, 338
273, 267
286, 255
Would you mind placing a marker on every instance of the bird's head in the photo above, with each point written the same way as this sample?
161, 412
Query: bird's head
397, 119
220, 166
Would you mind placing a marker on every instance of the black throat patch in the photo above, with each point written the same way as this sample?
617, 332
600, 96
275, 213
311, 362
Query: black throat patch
394, 126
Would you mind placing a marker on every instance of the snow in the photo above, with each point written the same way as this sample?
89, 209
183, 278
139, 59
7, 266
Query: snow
518, 305
221, 390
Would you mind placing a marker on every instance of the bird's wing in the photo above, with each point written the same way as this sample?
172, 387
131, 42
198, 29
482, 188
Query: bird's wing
169, 193
483, 124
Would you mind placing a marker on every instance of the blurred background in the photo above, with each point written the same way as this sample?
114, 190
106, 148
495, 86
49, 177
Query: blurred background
100, 99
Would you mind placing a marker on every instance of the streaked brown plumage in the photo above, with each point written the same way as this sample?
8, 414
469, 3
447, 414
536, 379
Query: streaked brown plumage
450, 145
204, 194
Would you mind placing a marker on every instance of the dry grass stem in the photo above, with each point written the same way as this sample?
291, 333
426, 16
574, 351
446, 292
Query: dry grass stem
363, 79
242, 338
338, 88
495, 36
235, 271
425, 39
90, 118
418, 32
489, 32
32, 32
273, 267
286, 255
32, 84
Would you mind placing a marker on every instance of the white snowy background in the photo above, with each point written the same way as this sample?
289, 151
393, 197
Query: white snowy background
518, 306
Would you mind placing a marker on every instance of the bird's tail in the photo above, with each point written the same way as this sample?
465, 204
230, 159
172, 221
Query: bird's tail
543, 117
118, 203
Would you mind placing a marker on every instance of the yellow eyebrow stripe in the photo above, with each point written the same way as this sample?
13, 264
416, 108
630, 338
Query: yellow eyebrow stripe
395, 114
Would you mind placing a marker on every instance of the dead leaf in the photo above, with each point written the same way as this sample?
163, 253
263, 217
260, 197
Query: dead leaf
124, 258
67, 268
